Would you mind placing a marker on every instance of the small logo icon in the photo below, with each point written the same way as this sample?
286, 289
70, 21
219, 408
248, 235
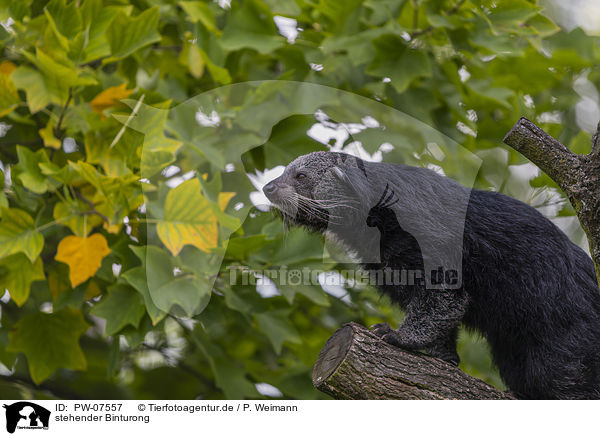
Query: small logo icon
26, 415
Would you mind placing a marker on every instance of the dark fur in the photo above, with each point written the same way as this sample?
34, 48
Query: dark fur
526, 287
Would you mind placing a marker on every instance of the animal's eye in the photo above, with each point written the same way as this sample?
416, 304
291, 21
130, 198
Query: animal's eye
300, 176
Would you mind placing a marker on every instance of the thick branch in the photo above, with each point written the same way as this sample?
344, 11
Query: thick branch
551, 156
595, 153
356, 364
577, 175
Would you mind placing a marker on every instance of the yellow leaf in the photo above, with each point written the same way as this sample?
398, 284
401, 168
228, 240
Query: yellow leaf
189, 219
112, 228
83, 255
224, 198
7, 67
109, 97
47, 134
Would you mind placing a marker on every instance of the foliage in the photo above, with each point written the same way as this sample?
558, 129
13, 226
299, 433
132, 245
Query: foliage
121, 218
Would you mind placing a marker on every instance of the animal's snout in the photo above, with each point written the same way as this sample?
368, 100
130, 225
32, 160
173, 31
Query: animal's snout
270, 188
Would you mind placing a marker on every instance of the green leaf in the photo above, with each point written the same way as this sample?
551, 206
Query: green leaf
277, 327
187, 296
187, 293
64, 175
157, 150
6, 357
198, 11
9, 98
30, 173
58, 76
219, 74
359, 46
18, 234
50, 342
235, 302
242, 248
288, 8
232, 380
61, 39
32, 82
251, 26
16, 275
510, 15
155, 160
337, 11
66, 18
195, 61
394, 59
113, 160
483, 89
126, 35
137, 278
188, 219
312, 292
96, 18
581, 143
122, 306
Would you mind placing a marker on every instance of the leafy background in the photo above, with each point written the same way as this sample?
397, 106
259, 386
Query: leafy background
119, 192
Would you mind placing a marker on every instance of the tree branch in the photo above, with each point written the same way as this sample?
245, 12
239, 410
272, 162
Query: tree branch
92, 207
356, 364
54, 389
551, 156
58, 127
577, 175
595, 153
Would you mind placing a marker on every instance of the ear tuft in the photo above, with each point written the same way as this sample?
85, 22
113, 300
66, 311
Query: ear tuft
338, 172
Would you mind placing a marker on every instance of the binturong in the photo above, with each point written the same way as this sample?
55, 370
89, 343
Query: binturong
450, 255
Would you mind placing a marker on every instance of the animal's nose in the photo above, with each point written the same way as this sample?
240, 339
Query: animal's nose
270, 188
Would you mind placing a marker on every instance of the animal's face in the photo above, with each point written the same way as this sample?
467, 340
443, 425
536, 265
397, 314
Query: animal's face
298, 192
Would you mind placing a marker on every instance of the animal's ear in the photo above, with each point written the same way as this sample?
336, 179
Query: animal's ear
338, 173
350, 178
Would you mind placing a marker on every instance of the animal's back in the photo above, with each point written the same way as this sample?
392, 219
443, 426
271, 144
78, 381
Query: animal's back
535, 298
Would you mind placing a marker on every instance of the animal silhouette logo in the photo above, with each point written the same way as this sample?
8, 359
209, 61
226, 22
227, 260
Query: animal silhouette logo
26, 415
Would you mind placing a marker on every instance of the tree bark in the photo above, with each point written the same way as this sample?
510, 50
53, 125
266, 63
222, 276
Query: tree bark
356, 364
576, 174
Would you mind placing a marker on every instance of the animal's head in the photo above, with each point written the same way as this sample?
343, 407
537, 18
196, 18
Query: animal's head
315, 190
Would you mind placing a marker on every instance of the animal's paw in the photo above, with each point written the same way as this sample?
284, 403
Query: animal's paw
452, 359
454, 362
445, 353
388, 334
381, 329
394, 338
